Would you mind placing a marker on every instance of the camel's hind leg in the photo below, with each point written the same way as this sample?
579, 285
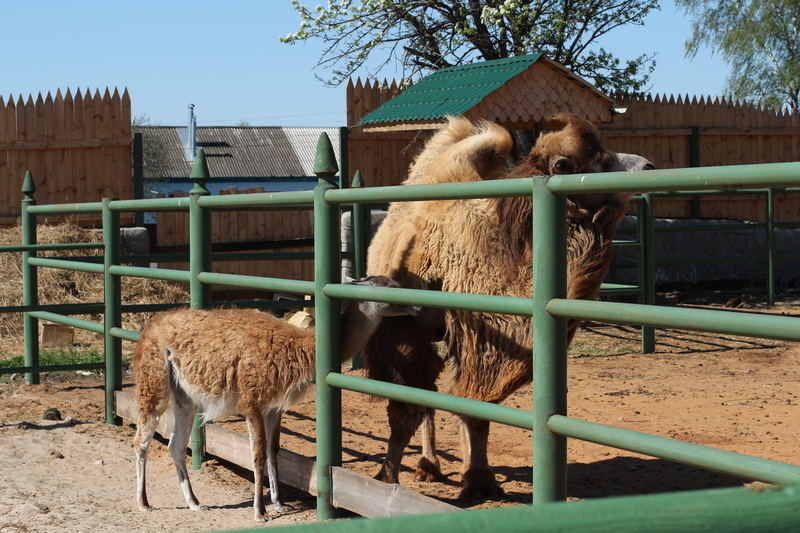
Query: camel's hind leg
428, 468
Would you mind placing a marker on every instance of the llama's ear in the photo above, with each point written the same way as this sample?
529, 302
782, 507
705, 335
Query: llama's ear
348, 279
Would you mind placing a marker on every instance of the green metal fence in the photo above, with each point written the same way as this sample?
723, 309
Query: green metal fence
548, 306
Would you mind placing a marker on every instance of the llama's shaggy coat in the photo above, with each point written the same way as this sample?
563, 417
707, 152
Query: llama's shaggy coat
234, 361
481, 246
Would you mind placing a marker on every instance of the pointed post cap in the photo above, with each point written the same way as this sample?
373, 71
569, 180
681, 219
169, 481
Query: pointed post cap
358, 181
28, 185
325, 166
199, 174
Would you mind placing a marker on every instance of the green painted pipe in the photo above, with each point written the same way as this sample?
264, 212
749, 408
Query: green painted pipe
448, 300
67, 309
112, 316
251, 282
48, 247
151, 273
53, 368
259, 200
62, 264
688, 179
464, 406
728, 322
30, 283
66, 209
328, 330
733, 510
88, 325
151, 204
731, 463
549, 344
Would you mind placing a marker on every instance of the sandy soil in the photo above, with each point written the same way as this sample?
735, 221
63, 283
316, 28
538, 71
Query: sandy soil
734, 393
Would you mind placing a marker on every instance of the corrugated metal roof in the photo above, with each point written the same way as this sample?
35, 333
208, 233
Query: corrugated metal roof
450, 91
241, 152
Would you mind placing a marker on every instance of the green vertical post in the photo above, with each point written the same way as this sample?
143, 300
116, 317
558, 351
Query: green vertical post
549, 344
647, 265
30, 283
359, 226
770, 247
138, 175
327, 269
112, 288
199, 261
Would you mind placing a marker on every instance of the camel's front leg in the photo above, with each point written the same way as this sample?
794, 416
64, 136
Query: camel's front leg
477, 479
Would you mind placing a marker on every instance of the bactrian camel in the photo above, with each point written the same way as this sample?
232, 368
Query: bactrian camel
234, 361
483, 247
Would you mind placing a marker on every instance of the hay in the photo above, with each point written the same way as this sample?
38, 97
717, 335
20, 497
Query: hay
68, 286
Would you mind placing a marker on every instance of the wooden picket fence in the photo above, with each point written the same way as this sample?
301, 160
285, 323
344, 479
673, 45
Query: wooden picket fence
671, 132
78, 149
280, 231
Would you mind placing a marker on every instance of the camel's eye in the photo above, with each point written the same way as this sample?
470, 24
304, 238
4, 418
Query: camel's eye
563, 165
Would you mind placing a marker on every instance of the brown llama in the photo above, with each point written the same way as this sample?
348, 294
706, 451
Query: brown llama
234, 361
484, 247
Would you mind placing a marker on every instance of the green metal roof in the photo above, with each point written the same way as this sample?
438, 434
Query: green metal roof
450, 91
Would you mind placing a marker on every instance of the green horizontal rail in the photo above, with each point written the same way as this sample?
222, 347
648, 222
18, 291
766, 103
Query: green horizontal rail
52, 247
67, 309
52, 368
450, 300
65, 209
436, 191
69, 321
689, 179
687, 453
93, 268
125, 334
733, 510
259, 199
717, 321
251, 282
150, 273
455, 404
616, 289
150, 204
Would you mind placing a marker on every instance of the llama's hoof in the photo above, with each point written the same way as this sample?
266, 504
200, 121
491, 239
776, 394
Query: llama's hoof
146, 507
198, 507
283, 508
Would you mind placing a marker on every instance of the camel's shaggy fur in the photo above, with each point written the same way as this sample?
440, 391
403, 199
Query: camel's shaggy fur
481, 246
234, 361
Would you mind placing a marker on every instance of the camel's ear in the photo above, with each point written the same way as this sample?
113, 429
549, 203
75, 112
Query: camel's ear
563, 165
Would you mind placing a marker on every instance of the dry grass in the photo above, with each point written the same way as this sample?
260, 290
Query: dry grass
68, 286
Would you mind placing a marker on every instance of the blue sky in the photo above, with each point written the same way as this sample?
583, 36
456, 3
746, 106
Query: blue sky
225, 58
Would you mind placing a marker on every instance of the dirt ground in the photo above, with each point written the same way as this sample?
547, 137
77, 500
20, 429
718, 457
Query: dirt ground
734, 393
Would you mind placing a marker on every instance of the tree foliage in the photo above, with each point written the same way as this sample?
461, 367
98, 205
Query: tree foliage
758, 39
421, 36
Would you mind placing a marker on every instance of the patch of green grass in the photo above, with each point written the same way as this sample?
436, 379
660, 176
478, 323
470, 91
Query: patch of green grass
60, 356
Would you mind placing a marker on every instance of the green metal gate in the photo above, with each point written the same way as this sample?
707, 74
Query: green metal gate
548, 306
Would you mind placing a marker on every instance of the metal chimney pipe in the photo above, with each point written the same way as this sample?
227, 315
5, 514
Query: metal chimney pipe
191, 138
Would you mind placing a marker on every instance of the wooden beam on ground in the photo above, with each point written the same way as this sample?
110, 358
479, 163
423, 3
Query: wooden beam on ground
355, 492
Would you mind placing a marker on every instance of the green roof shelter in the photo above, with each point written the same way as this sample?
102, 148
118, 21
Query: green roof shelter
520, 92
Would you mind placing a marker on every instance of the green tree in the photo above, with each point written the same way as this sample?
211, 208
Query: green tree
759, 39
421, 36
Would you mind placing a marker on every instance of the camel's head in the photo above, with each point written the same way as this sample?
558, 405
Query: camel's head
578, 148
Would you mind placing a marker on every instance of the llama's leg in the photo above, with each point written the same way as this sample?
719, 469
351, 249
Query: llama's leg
477, 478
428, 468
272, 424
258, 447
145, 430
184, 416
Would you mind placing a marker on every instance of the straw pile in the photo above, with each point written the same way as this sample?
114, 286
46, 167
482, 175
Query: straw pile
67, 286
